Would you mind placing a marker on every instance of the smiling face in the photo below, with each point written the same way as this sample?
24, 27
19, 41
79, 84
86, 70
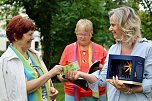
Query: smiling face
114, 29
25, 41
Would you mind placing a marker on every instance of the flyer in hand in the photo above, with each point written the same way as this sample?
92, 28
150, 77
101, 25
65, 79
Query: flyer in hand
70, 67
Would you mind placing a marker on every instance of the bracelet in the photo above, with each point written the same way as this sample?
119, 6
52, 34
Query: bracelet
129, 91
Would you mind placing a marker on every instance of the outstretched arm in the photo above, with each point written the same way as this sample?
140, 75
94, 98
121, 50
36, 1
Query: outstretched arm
33, 85
78, 74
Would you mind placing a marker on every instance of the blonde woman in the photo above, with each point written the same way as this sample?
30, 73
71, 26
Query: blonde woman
86, 53
125, 27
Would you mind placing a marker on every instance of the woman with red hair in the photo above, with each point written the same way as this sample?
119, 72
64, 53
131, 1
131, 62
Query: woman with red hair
23, 74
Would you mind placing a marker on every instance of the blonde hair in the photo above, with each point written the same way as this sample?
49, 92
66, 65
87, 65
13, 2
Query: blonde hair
128, 22
85, 24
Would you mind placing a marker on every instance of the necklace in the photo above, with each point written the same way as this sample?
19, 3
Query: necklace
89, 60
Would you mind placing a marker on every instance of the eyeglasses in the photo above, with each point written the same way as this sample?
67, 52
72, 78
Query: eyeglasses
83, 34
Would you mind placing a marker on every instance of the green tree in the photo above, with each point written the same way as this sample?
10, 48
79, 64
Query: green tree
64, 22
56, 20
147, 4
146, 25
146, 18
41, 12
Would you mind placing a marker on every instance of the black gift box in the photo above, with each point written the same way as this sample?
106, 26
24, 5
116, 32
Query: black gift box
129, 69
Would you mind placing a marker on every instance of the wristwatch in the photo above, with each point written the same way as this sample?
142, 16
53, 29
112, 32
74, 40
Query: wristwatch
129, 91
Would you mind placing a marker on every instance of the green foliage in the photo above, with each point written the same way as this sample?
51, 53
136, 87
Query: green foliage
8, 9
146, 25
56, 20
60, 88
65, 19
147, 4
1, 52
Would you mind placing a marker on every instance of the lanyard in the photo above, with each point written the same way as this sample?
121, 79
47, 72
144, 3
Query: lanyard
91, 58
32, 74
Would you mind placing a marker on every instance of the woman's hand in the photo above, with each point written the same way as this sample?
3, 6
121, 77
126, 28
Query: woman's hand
119, 84
62, 79
53, 93
56, 70
73, 75
70, 75
78, 74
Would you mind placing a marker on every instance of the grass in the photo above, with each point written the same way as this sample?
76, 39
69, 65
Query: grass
60, 88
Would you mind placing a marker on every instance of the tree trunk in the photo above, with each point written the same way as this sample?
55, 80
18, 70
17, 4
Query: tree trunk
47, 45
42, 16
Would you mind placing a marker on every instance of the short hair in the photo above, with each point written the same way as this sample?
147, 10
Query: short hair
18, 25
128, 22
86, 24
